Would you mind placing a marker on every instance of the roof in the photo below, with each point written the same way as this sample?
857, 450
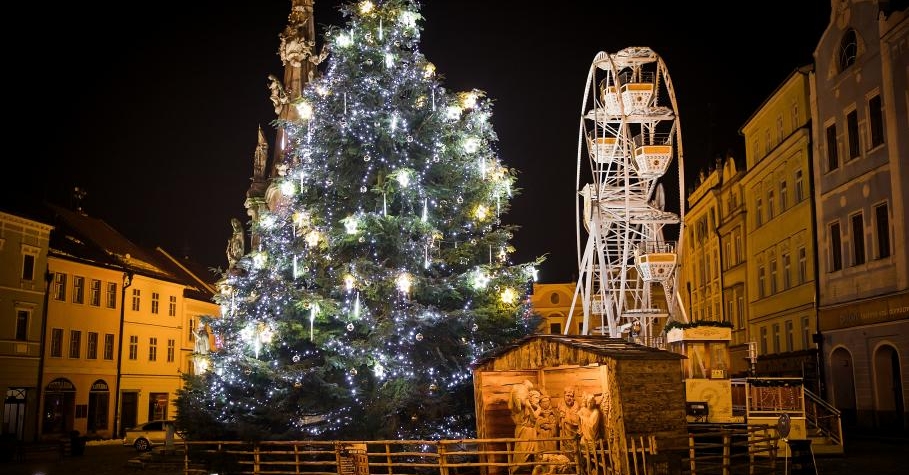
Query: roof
89, 239
591, 345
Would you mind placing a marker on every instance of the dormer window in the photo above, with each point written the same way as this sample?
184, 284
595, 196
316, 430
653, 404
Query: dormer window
848, 50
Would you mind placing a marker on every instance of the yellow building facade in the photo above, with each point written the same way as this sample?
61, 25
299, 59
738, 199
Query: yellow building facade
780, 241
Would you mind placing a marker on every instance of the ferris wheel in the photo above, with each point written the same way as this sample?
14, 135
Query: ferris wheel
629, 153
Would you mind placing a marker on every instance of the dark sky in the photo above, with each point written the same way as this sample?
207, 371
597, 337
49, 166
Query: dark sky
154, 111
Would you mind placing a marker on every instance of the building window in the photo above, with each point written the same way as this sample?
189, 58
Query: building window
94, 296
29, 254
773, 275
836, 247
171, 348
22, 325
60, 286
56, 347
876, 121
784, 196
787, 271
108, 346
133, 347
803, 265
852, 130
740, 309
763, 340
738, 246
790, 336
156, 297
91, 352
136, 294
111, 295
799, 187
758, 213
848, 50
78, 289
75, 343
833, 161
776, 337
172, 306
858, 239
771, 211
192, 330
768, 145
760, 282
806, 333
152, 349
882, 230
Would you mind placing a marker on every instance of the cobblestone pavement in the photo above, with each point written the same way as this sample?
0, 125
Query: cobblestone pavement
863, 455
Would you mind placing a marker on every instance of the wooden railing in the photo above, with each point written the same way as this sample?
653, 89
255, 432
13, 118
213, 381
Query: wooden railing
751, 450
412, 457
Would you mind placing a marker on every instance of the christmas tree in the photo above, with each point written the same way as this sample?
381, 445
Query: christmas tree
383, 270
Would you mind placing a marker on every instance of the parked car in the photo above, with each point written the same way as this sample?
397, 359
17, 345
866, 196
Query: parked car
145, 436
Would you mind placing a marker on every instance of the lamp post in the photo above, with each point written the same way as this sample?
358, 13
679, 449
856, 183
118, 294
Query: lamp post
127, 281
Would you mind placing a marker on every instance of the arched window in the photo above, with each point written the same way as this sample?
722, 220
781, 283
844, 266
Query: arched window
848, 50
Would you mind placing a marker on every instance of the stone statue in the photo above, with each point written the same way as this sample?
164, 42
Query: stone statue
547, 425
589, 418
569, 422
261, 157
278, 95
524, 404
236, 244
202, 345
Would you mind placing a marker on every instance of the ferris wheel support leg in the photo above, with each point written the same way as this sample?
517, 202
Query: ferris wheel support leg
681, 307
584, 279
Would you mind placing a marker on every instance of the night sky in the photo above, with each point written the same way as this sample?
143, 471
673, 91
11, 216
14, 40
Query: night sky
154, 111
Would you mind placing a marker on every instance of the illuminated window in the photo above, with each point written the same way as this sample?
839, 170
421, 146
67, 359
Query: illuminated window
91, 351
78, 289
137, 294
152, 349
60, 286
172, 306
94, 293
133, 347
111, 295
155, 298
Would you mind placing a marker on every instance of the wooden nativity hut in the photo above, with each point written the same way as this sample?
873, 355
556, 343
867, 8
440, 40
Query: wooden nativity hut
639, 390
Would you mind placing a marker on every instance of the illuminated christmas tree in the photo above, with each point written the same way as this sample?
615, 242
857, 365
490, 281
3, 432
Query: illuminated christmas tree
382, 269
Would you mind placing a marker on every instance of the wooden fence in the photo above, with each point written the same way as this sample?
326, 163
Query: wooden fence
403, 457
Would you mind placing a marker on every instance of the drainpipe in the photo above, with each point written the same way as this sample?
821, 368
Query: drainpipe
42, 342
127, 280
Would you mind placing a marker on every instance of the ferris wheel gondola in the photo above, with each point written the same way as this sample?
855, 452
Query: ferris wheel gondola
628, 235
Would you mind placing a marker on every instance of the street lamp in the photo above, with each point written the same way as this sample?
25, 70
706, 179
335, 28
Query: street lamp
127, 281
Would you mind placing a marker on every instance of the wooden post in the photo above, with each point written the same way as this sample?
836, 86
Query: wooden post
727, 452
691, 463
443, 460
